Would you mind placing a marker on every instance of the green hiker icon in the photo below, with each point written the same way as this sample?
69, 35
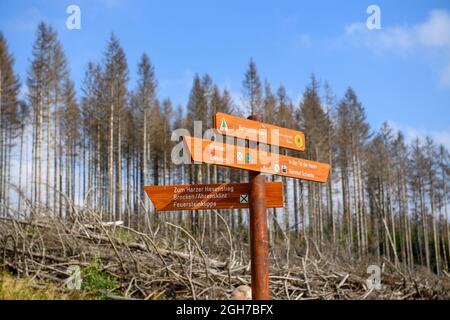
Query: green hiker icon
223, 125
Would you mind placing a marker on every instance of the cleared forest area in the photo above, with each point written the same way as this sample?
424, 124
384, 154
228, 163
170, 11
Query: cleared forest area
73, 164
169, 263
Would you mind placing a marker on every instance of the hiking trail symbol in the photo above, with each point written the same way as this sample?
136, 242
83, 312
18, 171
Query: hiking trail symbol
298, 141
223, 125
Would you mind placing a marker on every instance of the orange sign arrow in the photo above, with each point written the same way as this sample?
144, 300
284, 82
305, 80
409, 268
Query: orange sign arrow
255, 160
259, 131
210, 196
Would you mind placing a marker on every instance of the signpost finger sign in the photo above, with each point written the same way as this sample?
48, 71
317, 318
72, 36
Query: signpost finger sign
259, 131
210, 196
228, 155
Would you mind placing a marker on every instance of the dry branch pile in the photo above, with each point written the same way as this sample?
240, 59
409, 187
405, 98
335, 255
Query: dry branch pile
173, 265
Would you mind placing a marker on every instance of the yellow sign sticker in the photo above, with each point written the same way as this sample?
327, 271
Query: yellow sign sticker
298, 141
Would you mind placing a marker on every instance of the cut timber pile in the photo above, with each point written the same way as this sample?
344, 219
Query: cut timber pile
173, 265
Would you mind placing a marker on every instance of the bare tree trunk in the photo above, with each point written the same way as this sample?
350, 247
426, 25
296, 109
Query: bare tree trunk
111, 159
445, 204
8, 172
330, 205
391, 211
99, 173
361, 195
128, 184
74, 173
411, 253
402, 221
424, 227
346, 210
330, 182
22, 129
60, 173
49, 124
55, 155
447, 227
90, 190
144, 154
67, 177
435, 230
356, 201
39, 180
296, 208
1, 139
320, 211
285, 207
83, 172
311, 211
302, 211
118, 215
33, 184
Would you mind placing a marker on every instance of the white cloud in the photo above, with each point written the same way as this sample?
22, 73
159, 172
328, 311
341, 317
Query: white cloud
111, 4
445, 77
431, 38
434, 32
438, 136
355, 27
397, 37
303, 40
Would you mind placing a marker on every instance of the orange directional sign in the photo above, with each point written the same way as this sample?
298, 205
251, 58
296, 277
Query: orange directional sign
259, 131
210, 196
255, 160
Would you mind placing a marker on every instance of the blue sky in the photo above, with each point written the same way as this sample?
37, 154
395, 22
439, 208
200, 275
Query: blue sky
401, 72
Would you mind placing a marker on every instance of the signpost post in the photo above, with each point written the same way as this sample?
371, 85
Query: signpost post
257, 195
259, 244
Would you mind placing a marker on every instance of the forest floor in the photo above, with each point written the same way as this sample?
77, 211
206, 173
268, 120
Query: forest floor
29, 288
119, 262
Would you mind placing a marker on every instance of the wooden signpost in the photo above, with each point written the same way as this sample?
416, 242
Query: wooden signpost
257, 195
210, 196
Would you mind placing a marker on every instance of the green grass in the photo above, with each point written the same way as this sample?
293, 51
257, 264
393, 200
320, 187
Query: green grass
97, 281
96, 285
14, 288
